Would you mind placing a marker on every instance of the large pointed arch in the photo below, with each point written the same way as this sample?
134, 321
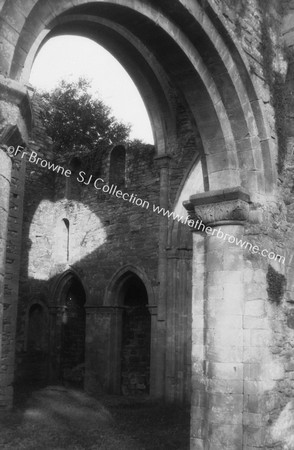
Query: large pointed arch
196, 61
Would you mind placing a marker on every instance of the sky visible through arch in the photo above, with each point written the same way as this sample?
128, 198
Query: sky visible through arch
71, 57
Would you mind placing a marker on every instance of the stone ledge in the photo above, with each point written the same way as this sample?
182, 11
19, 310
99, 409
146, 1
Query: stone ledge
217, 196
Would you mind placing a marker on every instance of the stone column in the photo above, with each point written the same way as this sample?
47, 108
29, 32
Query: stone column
153, 349
178, 334
5, 178
15, 124
163, 163
218, 311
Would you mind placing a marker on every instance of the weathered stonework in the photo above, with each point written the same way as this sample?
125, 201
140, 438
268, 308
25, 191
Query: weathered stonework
214, 76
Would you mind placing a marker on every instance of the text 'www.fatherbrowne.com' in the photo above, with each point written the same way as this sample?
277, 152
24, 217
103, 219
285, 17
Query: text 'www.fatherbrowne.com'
219, 233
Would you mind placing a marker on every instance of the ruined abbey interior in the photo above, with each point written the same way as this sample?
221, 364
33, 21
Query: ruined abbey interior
106, 294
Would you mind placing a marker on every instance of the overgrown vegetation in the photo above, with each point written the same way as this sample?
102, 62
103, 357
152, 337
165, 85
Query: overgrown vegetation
75, 119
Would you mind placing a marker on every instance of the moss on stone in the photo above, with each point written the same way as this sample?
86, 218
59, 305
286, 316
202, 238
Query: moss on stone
276, 283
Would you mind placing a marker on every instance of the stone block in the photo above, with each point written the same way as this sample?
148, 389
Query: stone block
254, 437
231, 403
226, 278
233, 259
255, 323
199, 399
224, 337
221, 161
234, 306
198, 337
261, 338
224, 320
197, 444
234, 292
252, 419
274, 370
255, 291
214, 260
225, 386
252, 404
198, 351
215, 292
197, 321
225, 371
225, 435
9, 32
225, 354
253, 371
254, 308
198, 426
198, 412
253, 354
256, 388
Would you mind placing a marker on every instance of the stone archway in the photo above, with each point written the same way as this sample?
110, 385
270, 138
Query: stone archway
136, 338
186, 66
212, 79
130, 314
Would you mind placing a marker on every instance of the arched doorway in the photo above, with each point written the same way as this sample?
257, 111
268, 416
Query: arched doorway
136, 336
68, 325
72, 354
130, 309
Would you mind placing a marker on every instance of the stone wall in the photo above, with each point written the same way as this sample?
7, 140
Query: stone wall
71, 225
215, 89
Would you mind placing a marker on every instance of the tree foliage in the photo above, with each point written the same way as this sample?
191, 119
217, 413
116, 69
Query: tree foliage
76, 119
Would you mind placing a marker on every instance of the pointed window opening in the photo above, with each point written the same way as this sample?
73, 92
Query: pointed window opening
66, 223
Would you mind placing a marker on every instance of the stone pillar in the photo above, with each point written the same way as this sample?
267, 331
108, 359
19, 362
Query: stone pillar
5, 178
153, 349
218, 312
163, 163
178, 334
16, 120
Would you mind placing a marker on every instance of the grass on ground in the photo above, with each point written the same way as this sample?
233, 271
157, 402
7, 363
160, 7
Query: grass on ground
58, 418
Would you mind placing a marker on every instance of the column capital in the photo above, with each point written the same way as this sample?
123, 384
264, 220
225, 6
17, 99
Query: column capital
152, 309
220, 207
162, 161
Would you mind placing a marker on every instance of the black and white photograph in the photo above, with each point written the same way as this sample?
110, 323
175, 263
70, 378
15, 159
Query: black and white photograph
146, 224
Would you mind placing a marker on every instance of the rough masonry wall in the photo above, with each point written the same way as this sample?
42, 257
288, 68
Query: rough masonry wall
105, 234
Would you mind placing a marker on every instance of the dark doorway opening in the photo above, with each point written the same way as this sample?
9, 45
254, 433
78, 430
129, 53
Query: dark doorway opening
73, 324
34, 367
136, 335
